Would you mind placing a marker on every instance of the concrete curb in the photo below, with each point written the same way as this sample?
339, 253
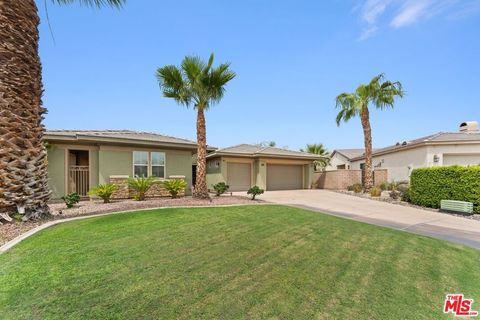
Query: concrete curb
7, 246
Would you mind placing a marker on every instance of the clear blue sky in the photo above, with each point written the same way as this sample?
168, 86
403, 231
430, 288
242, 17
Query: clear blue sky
291, 58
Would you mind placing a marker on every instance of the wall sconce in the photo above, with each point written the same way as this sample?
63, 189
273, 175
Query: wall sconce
436, 158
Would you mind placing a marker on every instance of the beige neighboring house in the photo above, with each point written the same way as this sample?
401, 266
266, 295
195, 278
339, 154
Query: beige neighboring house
79, 160
341, 158
439, 149
270, 168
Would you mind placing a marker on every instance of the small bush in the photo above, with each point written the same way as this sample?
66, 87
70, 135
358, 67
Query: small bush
254, 191
71, 199
385, 186
103, 191
175, 186
375, 192
357, 188
141, 185
220, 188
406, 195
431, 185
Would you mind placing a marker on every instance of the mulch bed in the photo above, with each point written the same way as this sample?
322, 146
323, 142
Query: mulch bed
10, 231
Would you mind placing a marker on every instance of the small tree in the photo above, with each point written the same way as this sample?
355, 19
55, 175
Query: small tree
141, 185
103, 191
220, 188
254, 191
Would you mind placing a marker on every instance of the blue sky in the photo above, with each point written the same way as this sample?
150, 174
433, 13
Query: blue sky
291, 58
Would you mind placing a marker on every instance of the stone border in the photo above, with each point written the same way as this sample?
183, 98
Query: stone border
10, 244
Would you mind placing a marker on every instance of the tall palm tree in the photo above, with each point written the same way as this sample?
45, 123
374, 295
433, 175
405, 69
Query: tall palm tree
199, 84
379, 92
318, 149
23, 168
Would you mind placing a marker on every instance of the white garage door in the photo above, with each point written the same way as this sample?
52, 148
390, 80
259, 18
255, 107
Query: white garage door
284, 177
463, 160
239, 176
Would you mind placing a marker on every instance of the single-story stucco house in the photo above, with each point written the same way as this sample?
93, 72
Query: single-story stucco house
439, 149
79, 160
270, 168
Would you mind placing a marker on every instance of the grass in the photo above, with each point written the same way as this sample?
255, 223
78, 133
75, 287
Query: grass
246, 262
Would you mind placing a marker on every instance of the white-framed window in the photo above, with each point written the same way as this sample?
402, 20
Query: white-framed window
140, 164
158, 164
149, 164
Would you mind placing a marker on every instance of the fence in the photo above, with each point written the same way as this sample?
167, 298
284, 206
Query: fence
341, 179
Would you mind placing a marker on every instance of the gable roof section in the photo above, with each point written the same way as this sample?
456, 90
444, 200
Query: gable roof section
119, 137
349, 153
257, 151
434, 139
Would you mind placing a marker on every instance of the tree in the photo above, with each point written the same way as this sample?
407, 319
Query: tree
318, 149
266, 144
23, 165
379, 92
199, 84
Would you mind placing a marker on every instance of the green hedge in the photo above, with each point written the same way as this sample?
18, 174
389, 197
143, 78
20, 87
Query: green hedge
430, 185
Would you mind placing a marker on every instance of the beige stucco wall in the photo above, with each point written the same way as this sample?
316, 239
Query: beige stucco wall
337, 160
215, 174
56, 171
401, 163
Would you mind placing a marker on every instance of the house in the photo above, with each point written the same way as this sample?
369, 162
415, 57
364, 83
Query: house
245, 165
340, 158
79, 160
439, 149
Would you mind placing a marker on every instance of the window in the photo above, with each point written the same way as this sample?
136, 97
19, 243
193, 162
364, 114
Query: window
149, 164
140, 164
158, 164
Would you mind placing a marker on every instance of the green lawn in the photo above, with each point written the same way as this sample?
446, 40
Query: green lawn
238, 262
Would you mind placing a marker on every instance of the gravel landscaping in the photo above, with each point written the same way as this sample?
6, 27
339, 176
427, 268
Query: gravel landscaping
91, 207
386, 198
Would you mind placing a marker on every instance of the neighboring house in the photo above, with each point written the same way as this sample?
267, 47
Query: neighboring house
340, 158
270, 168
440, 149
79, 160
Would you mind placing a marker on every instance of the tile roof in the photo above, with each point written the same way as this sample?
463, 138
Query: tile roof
254, 150
350, 153
440, 137
134, 136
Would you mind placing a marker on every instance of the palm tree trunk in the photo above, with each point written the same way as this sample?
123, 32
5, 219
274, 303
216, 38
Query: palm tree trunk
201, 190
23, 162
367, 134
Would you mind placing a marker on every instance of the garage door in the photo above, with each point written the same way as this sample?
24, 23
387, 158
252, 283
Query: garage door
284, 177
238, 176
463, 160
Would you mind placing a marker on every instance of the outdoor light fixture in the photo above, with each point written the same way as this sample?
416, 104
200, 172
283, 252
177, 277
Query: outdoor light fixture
436, 158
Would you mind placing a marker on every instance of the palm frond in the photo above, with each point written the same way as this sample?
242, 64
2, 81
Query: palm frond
93, 3
173, 85
350, 105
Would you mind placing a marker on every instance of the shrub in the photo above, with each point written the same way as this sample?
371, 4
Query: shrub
103, 191
71, 199
375, 192
175, 186
220, 188
431, 185
385, 186
254, 191
406, 195
141, 185
357, 188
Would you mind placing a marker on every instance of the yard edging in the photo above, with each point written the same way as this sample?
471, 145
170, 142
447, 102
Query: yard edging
10, 244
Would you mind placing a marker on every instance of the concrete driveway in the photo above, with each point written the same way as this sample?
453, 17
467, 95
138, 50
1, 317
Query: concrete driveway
429, 223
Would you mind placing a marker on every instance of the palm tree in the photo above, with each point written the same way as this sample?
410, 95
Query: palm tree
23, 166
199, 84
379, 92
319, 149
268, 144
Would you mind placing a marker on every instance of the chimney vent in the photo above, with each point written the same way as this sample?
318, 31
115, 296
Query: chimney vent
469, 127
